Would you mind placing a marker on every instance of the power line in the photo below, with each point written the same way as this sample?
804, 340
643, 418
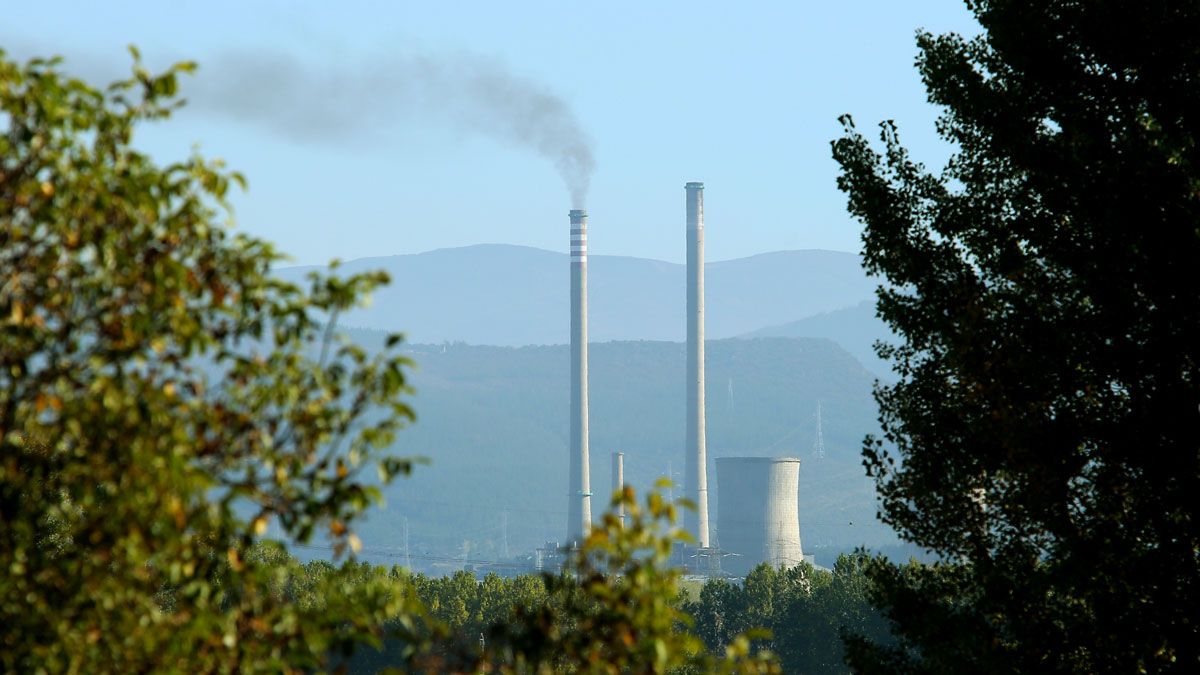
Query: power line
391, 553
819, 443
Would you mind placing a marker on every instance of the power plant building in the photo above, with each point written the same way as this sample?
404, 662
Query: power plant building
758, 515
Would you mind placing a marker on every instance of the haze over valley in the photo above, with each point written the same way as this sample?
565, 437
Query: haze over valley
487, 330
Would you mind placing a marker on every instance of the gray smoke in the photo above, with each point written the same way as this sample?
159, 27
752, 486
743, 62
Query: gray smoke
335, 102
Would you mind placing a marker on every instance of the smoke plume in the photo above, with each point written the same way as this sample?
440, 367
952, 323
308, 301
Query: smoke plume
337, 102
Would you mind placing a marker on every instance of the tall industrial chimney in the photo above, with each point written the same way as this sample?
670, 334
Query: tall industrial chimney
579, 501
696, 481
618, 481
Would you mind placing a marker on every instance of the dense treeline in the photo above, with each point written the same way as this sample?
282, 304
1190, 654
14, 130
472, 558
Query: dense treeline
804, 610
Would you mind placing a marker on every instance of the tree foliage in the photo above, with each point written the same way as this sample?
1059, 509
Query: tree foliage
616, 607
805, 609
162, 402
165, 403
1043, 285
793, 617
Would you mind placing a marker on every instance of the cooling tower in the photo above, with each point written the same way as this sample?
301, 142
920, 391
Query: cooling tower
758, 517
696, 465
579, 499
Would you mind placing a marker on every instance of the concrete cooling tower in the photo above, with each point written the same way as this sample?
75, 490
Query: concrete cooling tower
758, 516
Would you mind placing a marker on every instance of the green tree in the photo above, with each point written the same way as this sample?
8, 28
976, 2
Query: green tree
806, 611
616, 608
163, 402
1042, 436
717, 612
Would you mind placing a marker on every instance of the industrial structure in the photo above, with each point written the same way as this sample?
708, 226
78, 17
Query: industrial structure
758, 516
579, 498
695, 454
618, 481
819, 441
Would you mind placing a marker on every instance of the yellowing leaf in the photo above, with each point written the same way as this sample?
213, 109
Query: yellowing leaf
43, 401
175, 506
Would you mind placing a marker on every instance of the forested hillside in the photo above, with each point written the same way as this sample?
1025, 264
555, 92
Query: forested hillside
855, 328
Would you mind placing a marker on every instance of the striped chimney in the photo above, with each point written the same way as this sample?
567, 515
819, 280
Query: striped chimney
579, 501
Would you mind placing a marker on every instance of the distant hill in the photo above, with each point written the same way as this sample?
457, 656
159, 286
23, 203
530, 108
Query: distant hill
855, 328
493, 421
514, 295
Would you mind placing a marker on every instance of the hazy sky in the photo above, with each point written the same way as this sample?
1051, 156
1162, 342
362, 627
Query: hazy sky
376, 128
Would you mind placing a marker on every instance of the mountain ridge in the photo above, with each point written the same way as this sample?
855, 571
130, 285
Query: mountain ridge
855, 328
502, 245
509, 295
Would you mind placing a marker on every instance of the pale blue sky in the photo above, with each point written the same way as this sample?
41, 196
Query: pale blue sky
743, 96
